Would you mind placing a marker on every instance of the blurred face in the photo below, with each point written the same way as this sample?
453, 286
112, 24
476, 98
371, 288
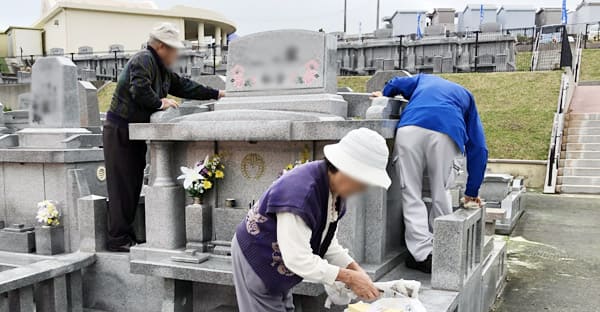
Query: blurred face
344, 186
167, 54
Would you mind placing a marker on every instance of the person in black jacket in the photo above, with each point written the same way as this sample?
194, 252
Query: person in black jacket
142, 90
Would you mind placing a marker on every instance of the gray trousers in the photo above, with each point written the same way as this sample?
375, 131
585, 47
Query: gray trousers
419, 151
251, 293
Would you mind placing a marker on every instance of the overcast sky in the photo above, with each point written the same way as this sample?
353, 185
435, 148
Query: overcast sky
258, 15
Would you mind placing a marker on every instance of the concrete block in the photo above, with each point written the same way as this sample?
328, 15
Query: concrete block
93, 226
75, 291
177, 296
51, 295
226, 221
20, 300
17, 238
458, 248
50, 240
88, 107
198, 224
493, 275
385, 108
165, 217
381, 78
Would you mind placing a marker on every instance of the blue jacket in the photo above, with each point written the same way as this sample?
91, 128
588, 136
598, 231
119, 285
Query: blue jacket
440, 105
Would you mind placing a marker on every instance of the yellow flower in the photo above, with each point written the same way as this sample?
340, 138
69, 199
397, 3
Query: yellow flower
219, 174
209, 174
289, 167
207, 185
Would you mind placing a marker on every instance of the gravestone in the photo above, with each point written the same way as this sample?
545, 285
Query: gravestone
379, 80
54, 94
85, 50
264, 69
214, 81
116, 48
88, 107
23, 77
56, 52
24, 100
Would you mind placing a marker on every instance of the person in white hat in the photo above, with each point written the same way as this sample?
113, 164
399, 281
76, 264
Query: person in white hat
142, 89
291, 233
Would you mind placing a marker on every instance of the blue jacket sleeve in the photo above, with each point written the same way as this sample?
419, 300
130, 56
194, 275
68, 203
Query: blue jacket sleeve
476, 150
404, 86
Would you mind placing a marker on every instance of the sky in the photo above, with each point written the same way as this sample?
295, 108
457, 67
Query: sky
260, 15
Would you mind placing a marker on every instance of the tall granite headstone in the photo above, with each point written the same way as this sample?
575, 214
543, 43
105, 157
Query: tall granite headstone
54, 94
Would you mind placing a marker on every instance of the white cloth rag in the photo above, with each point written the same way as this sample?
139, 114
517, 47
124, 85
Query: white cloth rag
339, 294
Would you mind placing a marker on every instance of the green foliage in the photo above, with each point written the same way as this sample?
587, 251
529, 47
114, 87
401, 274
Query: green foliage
3, 66
590, 65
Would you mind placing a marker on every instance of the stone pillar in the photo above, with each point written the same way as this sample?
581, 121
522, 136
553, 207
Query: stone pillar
200, 33
177, 296
51, 295
21, 300
93, 225
224, 39
75, 291
218, 39
165, 200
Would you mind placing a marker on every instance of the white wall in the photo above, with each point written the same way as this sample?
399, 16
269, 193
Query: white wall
56, 32
470, 19
101, 29
30, 40
588, 14
510, 19
405, 23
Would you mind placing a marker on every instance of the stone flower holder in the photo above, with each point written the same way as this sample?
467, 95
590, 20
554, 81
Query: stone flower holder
50, 240
198, 225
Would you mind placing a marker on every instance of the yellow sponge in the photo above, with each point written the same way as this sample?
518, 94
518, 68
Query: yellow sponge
364, 307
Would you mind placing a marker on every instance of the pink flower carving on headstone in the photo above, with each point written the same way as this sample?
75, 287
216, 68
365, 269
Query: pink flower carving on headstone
237, 77
311, 72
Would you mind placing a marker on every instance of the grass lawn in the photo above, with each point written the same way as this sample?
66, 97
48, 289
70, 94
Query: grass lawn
590, 65
516, 109
523, 61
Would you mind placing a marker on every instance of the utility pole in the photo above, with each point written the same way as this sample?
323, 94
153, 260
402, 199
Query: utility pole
345, 15
377, 22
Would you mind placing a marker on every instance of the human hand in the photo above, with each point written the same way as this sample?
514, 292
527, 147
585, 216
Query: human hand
376, 94
166, 103
221, 93
472, 202
360, 283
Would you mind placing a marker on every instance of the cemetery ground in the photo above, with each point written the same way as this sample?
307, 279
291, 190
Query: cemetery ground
553, 256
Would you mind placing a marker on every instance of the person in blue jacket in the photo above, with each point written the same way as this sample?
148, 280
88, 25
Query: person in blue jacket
439, 124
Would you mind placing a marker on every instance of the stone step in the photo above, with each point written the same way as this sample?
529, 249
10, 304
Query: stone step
580, 163
583, 123
589, 147
587, 116
578, 189
583, 139
579, 180
580, 155
583, 131
572, 171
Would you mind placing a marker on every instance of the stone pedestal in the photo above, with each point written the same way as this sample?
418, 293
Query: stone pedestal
50, 240
93, 227
198, 226
17, 238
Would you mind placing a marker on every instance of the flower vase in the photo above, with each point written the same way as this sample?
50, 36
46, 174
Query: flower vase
198, 225
50, 240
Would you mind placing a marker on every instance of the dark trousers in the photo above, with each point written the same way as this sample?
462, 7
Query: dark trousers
125, 162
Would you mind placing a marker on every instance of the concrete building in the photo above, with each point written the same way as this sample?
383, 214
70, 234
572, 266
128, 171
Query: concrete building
470, 18
23, 41
514, 17
98, 24
443, 17
548, 16
587, 12
406, 22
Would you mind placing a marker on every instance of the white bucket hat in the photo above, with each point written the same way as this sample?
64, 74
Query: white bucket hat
168, 34
363, 155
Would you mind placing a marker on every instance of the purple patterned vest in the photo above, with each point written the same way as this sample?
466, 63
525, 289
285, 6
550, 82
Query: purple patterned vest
303, 191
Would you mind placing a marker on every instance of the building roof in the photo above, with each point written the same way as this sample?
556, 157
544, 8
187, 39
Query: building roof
20, 27
587, 3
408, 12
540, 10
477, 6
516, 8
186, 12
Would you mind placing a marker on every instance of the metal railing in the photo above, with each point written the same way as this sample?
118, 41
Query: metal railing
568, 84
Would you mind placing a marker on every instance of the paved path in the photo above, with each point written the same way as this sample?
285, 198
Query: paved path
586, 100
554, 257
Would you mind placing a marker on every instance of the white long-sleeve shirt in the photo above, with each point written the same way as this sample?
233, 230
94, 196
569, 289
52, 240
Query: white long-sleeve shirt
293, 237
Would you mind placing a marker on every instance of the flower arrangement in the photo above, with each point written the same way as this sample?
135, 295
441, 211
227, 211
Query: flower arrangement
202, 177
305, 158
48, 214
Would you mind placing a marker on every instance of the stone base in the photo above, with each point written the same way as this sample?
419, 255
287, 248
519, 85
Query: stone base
493, 275
17, 241
503, 228
50, 240
514, 209
318, 103
49, 137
